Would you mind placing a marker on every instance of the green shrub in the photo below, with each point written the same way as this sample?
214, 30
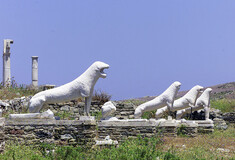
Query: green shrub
132, 149
225, 105
181, 130
170, 155
148, 115
98, 115
15, 90
64, 115
18, 152
139, 148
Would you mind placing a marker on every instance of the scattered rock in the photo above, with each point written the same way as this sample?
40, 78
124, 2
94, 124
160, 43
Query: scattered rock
106, 141
220, 124
65, 108
28, 128
223, 150
66, 137
229, 117
215, 113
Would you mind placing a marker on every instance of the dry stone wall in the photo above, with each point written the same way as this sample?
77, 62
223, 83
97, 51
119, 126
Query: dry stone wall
86, 132
120, 130
61, 132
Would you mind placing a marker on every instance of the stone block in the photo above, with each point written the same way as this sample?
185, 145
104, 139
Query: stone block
65, 108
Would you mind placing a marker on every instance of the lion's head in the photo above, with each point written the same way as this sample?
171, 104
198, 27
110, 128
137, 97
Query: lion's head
99, 68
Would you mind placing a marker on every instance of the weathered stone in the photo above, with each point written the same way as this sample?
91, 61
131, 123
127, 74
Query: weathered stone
28, 128
74, 110
81, 104
220, 124
65, 108
229, 117
215, 113
66, 137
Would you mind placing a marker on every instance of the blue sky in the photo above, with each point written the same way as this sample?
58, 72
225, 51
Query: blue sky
148, 44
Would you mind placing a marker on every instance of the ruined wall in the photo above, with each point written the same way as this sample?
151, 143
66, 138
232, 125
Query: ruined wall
61, 132
120, 130
86, 132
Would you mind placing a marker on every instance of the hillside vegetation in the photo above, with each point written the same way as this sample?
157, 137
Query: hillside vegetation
218, 145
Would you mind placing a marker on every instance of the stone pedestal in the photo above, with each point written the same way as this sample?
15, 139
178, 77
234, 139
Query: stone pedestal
87, 118
205, 126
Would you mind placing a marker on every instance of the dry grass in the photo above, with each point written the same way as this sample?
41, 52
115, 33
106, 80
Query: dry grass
203, 146
101, 97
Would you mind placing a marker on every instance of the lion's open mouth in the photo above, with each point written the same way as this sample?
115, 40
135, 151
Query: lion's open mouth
201, 90
103, 74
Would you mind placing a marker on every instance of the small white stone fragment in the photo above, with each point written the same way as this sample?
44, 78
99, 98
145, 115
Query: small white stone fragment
107, 110
45, 115
110, 119
87, 118
223, 150
106, 141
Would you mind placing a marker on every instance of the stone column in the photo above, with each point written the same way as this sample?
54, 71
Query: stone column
35, 71
6, 62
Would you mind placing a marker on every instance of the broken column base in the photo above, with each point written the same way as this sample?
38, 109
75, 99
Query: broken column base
44, 115
204, 126
87, 118
107, 142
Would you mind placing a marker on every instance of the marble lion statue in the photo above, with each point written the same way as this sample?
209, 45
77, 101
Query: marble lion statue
82, 86
166, 98
187, 100
203, 102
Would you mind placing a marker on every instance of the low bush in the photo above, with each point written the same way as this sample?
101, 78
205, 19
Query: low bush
101, 97
225, 105
15, 90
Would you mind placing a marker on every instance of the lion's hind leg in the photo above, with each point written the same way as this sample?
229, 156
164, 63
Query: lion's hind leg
36, 104
180, 113
160, 112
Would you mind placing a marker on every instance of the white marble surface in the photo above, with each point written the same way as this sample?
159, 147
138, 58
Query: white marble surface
44, 115
166, 98
107, 110
187, 100
106, 141
82, 86
203, 102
